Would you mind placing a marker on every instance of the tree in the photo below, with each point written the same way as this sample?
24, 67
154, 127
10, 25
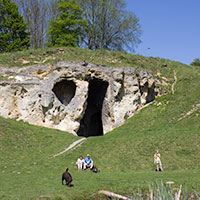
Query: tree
13, 30
53, 9
36, 14
196, 62
68, 28
110, 25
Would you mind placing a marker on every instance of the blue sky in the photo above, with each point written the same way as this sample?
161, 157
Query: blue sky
171, 28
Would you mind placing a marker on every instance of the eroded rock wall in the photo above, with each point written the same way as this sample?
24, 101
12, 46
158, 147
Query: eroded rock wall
75, 98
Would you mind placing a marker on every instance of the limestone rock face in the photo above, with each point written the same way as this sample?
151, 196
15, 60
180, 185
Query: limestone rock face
85, 101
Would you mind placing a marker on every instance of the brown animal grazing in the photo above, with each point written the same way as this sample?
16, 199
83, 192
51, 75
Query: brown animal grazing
67, 177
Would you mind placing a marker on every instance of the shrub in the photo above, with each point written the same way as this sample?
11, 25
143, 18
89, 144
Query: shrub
196, 62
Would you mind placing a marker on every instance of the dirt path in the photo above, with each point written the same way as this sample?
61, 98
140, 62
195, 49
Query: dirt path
71, 146
194, 109
174, 83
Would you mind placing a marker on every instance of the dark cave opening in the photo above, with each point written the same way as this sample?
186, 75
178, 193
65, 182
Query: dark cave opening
91, 123
65, 91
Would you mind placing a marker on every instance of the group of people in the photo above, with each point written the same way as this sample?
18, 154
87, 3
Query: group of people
84, 163
88, 162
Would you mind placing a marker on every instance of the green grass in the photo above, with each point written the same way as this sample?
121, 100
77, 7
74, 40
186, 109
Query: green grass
124, 156
101, 57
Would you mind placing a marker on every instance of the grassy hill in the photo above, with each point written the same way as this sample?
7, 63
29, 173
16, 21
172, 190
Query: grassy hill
125, 156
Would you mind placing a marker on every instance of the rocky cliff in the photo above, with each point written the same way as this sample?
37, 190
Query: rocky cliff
84, 100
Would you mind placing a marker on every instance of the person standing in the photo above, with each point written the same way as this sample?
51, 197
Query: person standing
157, 161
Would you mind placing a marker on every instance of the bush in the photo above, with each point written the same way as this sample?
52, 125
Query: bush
196, 62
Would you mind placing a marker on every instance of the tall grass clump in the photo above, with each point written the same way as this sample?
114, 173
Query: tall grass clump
164, 191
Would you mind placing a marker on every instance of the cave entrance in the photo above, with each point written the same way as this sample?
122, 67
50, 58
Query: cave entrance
91, 123
64, 91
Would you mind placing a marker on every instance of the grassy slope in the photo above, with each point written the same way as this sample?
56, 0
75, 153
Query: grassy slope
125, 156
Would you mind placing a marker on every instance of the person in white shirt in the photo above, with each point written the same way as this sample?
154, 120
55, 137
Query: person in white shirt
80, 163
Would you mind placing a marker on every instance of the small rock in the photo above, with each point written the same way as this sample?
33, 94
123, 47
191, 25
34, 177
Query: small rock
170, 182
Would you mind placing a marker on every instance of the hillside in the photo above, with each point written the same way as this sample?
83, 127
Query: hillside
125, 155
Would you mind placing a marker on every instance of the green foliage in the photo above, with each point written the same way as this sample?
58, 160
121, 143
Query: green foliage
69, 28
196, 62
13, 34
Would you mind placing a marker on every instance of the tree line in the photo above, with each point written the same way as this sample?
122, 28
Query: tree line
93, 24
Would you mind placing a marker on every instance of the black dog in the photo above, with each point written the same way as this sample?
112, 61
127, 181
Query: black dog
67, 177
94, 169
